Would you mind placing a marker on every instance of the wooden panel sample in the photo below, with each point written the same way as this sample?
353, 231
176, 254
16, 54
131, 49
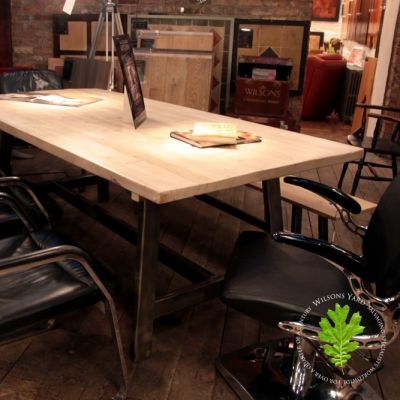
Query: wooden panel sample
365, 91
56, 64
76, 39
176, 40
90, 74
286, 38
178, 78
218, 50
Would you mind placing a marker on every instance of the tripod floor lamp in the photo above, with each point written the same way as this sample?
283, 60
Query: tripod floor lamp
109, 13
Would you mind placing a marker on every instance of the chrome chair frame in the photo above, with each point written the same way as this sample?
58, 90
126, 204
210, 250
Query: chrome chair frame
35, 259
6, 181
234, 367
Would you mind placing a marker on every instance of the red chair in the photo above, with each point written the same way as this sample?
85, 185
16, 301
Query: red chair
324, 78
12, 69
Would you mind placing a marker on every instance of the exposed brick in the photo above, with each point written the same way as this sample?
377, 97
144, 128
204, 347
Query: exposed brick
23, 50
32, 19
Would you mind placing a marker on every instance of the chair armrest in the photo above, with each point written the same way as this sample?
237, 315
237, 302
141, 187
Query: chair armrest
334, 195
376, 107
16, 181
385, 117
19, 211
331, 252
35, 259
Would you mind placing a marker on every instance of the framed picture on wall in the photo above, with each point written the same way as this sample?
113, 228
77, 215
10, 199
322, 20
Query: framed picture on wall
316, 41
282, 39
131, 78
325, 10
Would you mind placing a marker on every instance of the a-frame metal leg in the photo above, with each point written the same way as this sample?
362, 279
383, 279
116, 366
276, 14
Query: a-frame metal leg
272, 205
5, 152
146, 277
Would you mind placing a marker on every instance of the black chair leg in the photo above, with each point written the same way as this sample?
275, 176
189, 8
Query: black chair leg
322, 228
344, 170
394, 166
103, 191
358, 174
116, 335
297, 214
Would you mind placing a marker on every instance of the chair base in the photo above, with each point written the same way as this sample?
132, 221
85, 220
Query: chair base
262, 372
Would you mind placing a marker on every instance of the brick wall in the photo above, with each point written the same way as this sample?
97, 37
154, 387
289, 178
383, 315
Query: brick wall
32, 22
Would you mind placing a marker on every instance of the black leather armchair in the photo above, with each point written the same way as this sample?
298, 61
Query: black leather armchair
290, 281
42, 274
40, 208
23, 81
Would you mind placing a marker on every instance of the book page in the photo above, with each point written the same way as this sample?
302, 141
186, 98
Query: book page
50, 99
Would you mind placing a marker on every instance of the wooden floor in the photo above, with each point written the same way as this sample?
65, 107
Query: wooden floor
78, 363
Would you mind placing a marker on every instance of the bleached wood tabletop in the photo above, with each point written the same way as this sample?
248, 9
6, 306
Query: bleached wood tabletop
147, 161
160, 169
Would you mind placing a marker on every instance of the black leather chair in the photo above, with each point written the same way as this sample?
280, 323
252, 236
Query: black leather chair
42, 274
26, 81
40, 208
380, 144
289, 281
29, 81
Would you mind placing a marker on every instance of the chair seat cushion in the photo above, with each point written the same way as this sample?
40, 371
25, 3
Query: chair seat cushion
45, 291
275, 282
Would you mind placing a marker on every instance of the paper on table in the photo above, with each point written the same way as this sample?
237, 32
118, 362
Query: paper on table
49, 99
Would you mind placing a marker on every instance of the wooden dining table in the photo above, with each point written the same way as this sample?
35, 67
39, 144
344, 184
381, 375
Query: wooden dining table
157, 169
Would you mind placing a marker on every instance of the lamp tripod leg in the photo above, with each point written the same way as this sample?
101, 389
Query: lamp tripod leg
99, 28
118, 23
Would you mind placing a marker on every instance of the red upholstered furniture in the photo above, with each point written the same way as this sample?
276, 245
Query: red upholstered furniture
325, 75
12, 69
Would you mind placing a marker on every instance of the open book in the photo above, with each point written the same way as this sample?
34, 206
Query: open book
52, 99
208, 134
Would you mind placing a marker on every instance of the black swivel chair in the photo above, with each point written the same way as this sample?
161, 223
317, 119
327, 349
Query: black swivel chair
380, 144
42, 275
289, 281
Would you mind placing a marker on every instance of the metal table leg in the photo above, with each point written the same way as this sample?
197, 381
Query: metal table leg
145, 279
5, 152
272, 205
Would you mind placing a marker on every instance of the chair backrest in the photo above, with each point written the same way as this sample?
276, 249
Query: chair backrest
381, 246
89, 74
28, 81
